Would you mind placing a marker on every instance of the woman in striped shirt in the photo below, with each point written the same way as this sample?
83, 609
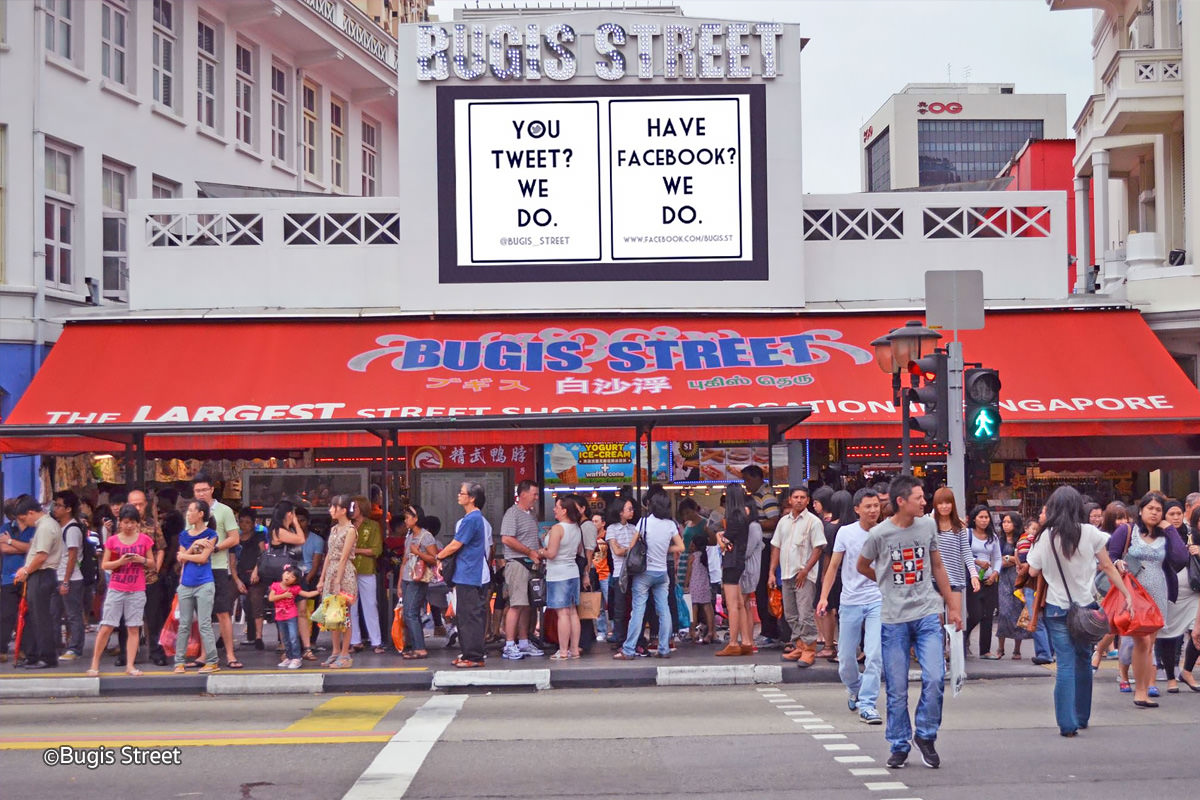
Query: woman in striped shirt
955, 545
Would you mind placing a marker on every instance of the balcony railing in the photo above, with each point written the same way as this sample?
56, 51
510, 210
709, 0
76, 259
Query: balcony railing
1143, 74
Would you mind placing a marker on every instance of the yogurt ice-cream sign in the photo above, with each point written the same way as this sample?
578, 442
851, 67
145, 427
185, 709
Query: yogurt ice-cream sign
600, 463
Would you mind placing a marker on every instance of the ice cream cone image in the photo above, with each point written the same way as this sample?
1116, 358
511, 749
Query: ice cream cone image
564, 464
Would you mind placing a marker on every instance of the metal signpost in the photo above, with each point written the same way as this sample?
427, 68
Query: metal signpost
954, 301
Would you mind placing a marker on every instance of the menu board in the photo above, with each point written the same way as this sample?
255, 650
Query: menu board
716, 462
604, 463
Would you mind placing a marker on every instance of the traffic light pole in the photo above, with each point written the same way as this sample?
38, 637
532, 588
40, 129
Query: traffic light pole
956, 461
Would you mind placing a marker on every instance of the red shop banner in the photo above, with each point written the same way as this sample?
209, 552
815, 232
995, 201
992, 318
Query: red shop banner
1063, 372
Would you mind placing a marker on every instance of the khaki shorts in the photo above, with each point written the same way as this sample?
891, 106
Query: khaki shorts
128, 605
516, 583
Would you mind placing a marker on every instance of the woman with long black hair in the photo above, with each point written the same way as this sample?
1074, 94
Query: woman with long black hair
1066, 555
1012, 526
732, 541
1152, 552
983, 601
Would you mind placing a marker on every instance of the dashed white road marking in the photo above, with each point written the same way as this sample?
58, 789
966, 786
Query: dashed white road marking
866, 772
828, 736
884, 786
840, 747
854, 759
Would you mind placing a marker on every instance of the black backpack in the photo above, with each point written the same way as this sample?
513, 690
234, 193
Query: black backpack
89, 563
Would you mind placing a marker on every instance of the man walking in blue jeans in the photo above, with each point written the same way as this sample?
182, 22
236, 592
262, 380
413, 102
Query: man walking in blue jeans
901, 556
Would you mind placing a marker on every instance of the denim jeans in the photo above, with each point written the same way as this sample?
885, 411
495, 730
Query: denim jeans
643, 585
1073, 678
925, 636
602, 620
414, 605
70, 607
1041, 639
854, 623
196, 602
289, 629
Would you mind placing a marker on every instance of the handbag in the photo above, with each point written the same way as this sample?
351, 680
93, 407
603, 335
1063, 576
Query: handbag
589, 605
1145, 620
272, 562
1086, 626
635, 559
447, 569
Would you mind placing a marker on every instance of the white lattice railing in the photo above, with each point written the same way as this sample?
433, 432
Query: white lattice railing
999, 221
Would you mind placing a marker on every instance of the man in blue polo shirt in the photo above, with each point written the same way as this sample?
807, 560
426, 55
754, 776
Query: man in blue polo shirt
471, 542
14, 544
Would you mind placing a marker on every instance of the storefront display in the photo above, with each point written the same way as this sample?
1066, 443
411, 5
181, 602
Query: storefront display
605, 463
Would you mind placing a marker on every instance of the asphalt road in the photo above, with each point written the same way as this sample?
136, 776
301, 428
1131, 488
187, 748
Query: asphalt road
998, 739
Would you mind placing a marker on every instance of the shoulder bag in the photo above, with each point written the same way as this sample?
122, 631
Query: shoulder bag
1193, 567
635, 559
1086, 626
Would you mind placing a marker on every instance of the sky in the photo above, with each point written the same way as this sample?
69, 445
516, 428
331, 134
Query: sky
860, 52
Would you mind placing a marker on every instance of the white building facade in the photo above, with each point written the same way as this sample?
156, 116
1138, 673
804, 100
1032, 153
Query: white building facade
1133, 137
109, 102
931, 134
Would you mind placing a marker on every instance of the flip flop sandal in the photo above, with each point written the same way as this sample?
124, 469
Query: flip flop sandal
134, 673
407, 656
235, 664
194, 664
561, 655
308, 656
421, 654
179, 670
380, 650
94, 673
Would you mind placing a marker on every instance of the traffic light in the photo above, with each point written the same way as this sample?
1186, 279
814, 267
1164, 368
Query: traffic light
981, 390
934, 395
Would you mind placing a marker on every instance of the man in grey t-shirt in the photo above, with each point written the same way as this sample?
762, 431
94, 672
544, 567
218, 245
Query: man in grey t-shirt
901, 555
519, 535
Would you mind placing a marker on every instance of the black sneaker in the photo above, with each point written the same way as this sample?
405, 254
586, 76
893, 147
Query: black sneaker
928, 754
897, 758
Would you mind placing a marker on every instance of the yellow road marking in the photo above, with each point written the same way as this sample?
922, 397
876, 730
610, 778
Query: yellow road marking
181, 739
345, 719
347, 713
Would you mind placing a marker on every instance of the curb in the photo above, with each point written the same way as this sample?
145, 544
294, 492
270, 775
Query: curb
313, 683
341, 681
539, 679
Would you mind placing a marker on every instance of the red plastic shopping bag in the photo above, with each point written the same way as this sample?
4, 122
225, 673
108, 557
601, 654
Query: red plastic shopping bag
1145, 619
170, 630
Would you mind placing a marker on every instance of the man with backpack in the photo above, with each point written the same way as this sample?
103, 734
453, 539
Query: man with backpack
66, 603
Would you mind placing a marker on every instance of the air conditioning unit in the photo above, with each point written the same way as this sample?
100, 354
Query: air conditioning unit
1141, 32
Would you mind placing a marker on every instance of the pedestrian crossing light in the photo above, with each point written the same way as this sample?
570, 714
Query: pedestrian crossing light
981, 390
933, 395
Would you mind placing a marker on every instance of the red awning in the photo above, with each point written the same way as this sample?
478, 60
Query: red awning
1064, 373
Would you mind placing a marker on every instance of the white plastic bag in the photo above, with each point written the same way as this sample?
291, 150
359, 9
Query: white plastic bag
958, 669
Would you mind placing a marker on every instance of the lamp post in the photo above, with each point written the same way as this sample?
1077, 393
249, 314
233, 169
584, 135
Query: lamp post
893, 352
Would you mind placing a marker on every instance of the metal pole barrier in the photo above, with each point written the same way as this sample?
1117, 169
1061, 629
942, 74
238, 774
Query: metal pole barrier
956, 460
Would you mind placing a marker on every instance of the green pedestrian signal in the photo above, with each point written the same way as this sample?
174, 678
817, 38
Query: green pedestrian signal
981, 390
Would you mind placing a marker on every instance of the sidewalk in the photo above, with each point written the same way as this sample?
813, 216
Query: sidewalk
690, 664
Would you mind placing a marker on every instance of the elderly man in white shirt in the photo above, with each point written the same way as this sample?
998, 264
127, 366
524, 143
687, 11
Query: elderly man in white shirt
796, 549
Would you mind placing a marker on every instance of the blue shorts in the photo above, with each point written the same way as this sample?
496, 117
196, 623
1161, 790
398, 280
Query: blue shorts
562, 594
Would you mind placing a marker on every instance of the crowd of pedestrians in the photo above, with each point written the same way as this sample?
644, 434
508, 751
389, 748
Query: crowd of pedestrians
867, 581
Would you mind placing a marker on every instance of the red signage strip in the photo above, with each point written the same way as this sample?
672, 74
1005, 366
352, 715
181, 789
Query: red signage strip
1064, 373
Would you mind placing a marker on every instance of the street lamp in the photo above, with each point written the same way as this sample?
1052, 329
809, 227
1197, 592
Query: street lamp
893, 353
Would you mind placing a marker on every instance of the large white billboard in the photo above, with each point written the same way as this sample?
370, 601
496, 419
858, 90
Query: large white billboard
602, 183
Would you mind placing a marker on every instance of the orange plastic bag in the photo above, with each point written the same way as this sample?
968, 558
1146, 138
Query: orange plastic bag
775, 598
1145, 619
398, 630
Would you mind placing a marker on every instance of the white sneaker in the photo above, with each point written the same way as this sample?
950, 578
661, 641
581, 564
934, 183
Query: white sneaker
512, 653
285, 664
294, 664
530, 650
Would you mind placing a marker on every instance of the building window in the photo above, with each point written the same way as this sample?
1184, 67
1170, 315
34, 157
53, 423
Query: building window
280, 113
114, 188
114, 22
244, 93
370, 158
164, 189
59, 215
59, 28
206, 74
958, 151
311, 129
879, 163
337, 144
163, 46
